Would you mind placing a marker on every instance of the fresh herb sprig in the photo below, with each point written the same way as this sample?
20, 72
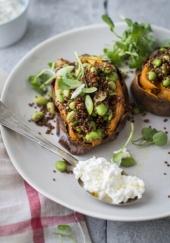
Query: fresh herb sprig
122, 157
135, 44
150, 136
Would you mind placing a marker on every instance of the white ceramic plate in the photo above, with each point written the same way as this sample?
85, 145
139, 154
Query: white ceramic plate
36, 164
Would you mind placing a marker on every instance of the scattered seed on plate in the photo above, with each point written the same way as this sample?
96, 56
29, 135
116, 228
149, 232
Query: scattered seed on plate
146, 120
144, 114
165, 120
54, 179
31, 104
165, 173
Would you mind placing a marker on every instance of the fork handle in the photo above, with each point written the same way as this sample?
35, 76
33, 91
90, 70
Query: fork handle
11, 121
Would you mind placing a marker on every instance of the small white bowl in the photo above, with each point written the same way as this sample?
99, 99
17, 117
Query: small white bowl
14, 29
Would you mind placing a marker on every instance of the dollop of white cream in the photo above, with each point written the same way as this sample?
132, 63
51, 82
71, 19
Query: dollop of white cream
10, 9
105, 179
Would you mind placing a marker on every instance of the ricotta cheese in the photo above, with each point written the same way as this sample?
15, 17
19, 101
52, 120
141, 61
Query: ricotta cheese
107, 180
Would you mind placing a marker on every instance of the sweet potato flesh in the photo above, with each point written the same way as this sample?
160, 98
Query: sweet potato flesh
159, 64
118, 110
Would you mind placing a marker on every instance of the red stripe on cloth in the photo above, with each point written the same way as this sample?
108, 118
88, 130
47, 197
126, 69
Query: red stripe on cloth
54, 220
16, 228
35, 208
23, 226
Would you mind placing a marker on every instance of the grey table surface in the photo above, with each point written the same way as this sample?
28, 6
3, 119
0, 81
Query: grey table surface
47, 18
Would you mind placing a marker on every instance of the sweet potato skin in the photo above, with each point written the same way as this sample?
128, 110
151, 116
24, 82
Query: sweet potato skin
148, 101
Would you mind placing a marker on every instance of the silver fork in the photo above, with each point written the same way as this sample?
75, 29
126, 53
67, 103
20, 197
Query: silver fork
10, 120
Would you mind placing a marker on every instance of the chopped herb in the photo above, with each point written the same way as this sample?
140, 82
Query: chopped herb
66, 79
89, 104
89, 90
77, 91
80, 69
134, 46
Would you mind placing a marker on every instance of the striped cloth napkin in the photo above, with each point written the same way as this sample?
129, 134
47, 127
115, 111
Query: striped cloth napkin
28, 217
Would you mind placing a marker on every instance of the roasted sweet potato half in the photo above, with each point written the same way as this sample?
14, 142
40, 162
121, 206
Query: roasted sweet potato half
91, 100
151, 86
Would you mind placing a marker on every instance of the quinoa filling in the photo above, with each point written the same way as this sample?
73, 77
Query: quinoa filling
89, 104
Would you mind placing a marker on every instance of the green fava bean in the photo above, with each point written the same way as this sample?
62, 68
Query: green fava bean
72, 105
151, 75
101, 109
61, 165
93, 135
51, 108
112, 85
113, 77
37, 116
66, 92
70, 116
157, 62
40, 100
166, 82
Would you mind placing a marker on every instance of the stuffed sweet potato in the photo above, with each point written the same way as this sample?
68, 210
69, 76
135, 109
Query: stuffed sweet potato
91, 100
151, 86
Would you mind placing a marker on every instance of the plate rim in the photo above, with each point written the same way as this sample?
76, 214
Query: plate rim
4, 130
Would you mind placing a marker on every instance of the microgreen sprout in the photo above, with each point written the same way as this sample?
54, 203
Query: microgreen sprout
65, 232
80, 69
122, 157
151, 136
135, 44
40, 81
110, 23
